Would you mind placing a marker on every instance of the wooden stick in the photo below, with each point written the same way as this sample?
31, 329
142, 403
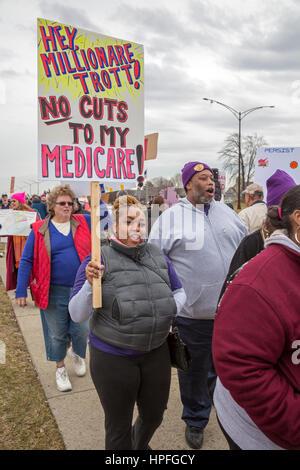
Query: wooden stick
96, 242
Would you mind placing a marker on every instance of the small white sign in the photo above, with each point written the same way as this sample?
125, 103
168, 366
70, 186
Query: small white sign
16, 222
270, 159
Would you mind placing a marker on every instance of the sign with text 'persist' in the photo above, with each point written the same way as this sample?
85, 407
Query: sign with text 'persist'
270, 159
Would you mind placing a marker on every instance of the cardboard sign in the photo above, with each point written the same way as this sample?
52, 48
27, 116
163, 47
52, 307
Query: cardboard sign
16, 222
90, 105
222, 181
170, 196
270, 159
150, 146
12, 185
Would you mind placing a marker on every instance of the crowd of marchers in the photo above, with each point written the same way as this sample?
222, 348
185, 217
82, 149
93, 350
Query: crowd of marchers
228, 281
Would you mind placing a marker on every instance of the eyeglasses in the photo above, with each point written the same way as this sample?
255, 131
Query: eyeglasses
64, 203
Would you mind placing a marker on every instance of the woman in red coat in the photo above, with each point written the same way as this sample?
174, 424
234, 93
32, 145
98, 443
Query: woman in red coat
54, 250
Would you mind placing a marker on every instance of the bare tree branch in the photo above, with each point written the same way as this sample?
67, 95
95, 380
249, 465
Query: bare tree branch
229, 155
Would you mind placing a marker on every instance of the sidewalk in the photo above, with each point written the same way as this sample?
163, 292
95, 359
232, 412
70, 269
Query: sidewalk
79, 414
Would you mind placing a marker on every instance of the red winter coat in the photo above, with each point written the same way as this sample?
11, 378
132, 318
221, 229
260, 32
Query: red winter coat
42, 254
256, 343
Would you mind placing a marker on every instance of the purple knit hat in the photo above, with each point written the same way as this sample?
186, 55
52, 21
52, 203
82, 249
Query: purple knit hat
277, 185
190, 169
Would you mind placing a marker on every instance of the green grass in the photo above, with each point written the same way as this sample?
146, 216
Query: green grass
26, 421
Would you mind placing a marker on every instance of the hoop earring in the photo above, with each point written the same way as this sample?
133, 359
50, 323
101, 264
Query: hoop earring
296, 235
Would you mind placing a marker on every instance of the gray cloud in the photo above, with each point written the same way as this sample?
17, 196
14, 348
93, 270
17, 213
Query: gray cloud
265, 60
9, 73
165, 29
170, 83
67, 14
6, 54
150, 22
25, 28
273, 44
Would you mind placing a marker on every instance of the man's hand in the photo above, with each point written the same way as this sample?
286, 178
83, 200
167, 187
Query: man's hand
93, 270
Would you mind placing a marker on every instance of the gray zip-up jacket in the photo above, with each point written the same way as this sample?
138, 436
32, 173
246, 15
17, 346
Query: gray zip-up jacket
200, 245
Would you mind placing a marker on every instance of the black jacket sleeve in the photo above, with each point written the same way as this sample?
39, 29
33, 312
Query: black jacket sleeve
249, 247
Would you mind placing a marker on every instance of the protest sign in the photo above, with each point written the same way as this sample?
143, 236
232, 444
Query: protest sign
170, 196
90, 112
270, 159
16, 222
12, 185
150, 146
222, 181
90, 105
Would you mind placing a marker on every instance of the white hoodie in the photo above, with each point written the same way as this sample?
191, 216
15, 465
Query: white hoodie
200, 248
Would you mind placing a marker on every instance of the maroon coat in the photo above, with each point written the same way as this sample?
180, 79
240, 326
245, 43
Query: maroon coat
256, 343
11, 271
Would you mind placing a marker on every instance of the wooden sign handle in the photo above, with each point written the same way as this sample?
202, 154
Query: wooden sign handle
96, 241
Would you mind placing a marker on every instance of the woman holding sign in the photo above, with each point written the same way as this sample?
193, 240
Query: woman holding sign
15, 243
53, 252
129, 355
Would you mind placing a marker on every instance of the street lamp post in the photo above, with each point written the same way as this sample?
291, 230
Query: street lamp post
30, 183
239, 115
38, 186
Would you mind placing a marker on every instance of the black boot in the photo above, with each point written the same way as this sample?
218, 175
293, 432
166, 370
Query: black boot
194, 437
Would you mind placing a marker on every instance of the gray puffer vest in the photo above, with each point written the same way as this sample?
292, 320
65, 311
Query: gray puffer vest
137, 302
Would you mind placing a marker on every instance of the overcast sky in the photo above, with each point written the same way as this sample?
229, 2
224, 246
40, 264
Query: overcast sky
244, 54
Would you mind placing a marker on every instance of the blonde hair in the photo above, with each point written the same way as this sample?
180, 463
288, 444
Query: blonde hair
120, 204
22, 207
123, 202
54, 195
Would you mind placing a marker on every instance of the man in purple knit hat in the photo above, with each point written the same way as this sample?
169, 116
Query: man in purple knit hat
200, 236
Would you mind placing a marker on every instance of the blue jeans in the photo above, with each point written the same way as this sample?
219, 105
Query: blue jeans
198, 382
58, 327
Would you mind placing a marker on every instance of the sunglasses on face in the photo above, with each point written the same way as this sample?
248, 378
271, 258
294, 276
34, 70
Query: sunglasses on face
64, 203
